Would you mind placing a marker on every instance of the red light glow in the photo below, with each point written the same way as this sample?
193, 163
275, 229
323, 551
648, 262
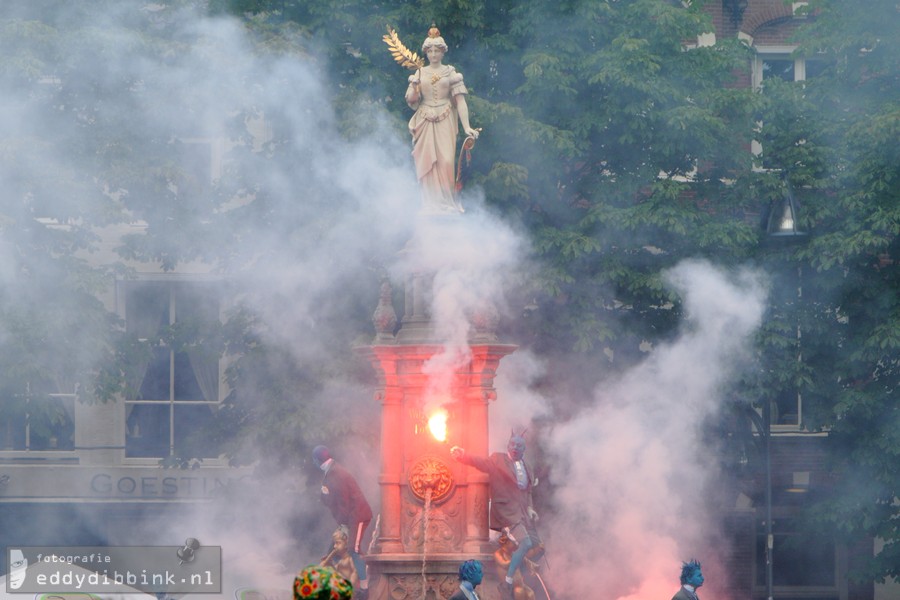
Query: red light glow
437, 425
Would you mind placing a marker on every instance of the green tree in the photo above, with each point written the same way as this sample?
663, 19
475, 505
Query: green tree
621, 153
832, 333
851, 321
55, 331
611, 138
98, 137
607, 140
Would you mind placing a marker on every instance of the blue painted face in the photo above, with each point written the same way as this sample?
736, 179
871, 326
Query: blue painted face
471, 571
696, 578
516, 447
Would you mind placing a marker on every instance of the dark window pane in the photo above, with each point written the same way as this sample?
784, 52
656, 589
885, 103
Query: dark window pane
783, 68
196, 304
148, 430
800, 558
156, 380
13, 432
192, 431
146, 308
186, 386
50, 424
786, 408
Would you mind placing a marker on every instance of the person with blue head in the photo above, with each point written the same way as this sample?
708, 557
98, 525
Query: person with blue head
691, 580
511, 481
470, 575
342, 495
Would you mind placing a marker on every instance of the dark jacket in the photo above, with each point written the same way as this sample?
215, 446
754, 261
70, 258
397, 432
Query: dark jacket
344, 499
509, 504
461, 595
683, 594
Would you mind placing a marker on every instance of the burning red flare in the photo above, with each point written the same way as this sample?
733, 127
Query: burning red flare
437, 425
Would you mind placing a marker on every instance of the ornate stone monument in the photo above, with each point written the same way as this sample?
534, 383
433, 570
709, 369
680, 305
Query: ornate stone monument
434, 510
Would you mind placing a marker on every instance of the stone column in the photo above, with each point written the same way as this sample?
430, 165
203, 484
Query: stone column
477, 482
403, 566
390, 479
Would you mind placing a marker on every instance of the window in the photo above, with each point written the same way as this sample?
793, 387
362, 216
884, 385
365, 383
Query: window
782, 68
778, 62
787, 409
804, 563
37, 420
174, 387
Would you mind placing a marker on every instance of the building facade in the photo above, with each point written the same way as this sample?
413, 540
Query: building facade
805, 564
97, 472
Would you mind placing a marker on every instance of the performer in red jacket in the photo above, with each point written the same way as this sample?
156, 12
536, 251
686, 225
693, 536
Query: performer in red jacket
344, 498
511, 482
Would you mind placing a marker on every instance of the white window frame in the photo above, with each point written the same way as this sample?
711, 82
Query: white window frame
171, 402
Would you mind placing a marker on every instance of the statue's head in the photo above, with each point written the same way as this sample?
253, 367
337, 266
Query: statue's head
691, 573
471, 571
433, 40
507, 546
320, 455
321, 583
516, 446
340, 539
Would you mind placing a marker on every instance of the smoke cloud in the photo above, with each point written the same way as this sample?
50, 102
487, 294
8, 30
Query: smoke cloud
313, 221
628, 472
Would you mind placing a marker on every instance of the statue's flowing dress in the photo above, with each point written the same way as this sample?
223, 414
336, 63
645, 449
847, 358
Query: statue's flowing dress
434, 128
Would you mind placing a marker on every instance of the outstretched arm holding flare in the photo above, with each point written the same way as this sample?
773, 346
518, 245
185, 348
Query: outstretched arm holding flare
511, 513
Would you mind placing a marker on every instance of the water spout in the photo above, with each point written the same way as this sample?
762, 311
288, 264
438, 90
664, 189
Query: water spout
426, 514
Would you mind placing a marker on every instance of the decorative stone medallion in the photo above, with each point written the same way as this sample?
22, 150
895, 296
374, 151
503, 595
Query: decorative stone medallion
430, 473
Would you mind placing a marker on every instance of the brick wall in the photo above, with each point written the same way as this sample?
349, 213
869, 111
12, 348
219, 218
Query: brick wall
762, 12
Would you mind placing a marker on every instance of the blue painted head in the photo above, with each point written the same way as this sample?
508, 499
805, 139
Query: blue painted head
320, 455
516, 447
471, 571
691, 573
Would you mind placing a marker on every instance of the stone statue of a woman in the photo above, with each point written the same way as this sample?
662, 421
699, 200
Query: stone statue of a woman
438, 95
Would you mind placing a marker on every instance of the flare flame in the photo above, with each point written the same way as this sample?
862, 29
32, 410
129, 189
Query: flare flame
437, 425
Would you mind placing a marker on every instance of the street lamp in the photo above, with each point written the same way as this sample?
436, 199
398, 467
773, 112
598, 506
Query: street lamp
782, 221
781, 226
770, 539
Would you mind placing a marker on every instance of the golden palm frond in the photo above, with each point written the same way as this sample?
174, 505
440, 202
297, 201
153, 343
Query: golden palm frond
401, 53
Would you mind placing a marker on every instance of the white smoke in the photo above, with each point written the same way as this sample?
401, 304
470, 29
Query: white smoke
472, 259
626, 470
338, 211
630, 470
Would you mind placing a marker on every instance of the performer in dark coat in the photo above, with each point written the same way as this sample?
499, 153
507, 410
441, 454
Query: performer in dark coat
470, 575
691, 580
344, 498
511, 481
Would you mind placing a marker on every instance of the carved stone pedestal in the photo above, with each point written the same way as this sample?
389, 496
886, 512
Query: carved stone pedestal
400, 577
434, 511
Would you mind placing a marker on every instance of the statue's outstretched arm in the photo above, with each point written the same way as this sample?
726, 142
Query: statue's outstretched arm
463, 109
